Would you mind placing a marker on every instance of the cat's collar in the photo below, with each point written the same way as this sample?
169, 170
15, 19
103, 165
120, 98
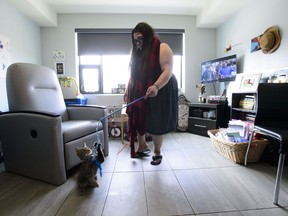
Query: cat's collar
90, 158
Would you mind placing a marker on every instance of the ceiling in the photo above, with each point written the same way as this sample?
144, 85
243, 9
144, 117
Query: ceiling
209, 13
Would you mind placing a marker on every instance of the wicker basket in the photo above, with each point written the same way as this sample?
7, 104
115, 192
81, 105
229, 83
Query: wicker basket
236, 151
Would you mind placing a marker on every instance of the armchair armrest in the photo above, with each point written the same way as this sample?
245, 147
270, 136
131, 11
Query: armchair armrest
87, 112
91, 112
33, 145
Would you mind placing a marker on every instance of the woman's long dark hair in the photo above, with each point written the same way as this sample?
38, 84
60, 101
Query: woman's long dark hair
140, 59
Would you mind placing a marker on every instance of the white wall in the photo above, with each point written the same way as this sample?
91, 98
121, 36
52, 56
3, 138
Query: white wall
252, 22
24, 39
200, 44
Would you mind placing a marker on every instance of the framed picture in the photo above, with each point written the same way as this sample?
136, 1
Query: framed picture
121, 90
59, 68
118, 90
58, 55
250, 82
114, 90
121, 86
255, 45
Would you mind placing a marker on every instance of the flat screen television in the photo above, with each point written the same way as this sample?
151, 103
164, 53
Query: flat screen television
219, 70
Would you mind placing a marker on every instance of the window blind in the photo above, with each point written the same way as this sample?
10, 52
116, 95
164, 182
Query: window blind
118, 41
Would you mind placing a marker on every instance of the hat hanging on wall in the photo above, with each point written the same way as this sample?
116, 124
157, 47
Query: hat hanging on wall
270, 40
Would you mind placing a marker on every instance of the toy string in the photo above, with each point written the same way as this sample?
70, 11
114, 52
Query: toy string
101, 119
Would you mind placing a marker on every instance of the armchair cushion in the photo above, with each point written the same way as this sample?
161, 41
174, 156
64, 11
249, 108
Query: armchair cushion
79, 128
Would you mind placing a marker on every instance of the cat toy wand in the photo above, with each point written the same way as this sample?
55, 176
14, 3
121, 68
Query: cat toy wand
101, 119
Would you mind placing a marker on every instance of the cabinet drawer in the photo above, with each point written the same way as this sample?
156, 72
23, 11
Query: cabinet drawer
201, 126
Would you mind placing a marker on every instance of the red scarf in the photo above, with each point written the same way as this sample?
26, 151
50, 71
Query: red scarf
137, 112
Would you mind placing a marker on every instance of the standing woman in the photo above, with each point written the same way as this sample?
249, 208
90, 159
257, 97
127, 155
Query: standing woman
151, 75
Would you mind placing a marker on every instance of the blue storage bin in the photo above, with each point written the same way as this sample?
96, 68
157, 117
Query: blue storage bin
79, 101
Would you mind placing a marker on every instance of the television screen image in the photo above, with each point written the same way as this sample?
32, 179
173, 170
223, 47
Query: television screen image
219, 70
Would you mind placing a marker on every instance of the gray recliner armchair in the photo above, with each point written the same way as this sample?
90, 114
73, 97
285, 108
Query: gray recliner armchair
39, 133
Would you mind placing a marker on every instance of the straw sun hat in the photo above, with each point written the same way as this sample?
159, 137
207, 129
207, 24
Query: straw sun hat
270, 40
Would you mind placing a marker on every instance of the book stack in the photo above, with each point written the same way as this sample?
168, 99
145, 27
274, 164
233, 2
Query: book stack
247, 102
243, 128
237, 126
250, 118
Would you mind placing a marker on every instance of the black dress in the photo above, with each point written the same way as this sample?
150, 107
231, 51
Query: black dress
163, 109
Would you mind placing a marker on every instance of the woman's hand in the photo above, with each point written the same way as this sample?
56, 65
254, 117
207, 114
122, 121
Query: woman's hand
152, 91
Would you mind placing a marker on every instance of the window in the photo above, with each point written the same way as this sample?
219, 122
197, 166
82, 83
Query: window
104, 59
90, 79
114, 70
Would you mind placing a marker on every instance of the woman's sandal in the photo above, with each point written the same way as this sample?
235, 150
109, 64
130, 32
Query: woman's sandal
145, 153
156, 160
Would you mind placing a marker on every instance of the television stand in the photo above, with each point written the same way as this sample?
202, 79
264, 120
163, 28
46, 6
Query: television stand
206, 116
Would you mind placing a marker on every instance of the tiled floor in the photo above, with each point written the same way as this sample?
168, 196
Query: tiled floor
193, 179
